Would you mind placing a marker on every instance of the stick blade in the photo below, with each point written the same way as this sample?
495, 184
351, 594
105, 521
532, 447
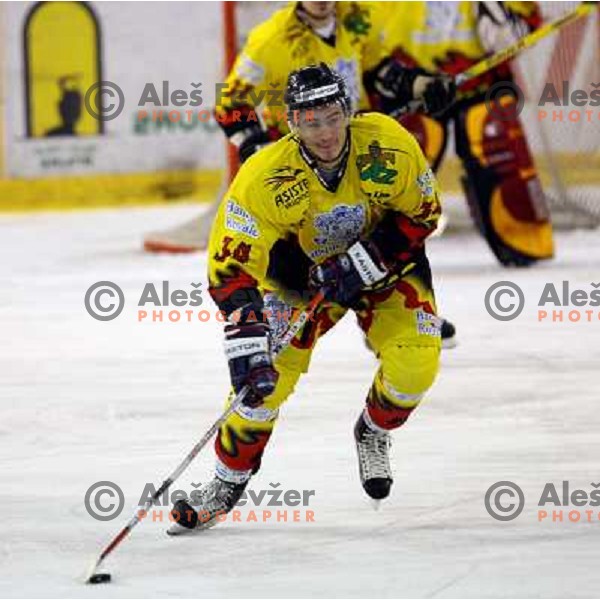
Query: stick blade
99, 578
93, 577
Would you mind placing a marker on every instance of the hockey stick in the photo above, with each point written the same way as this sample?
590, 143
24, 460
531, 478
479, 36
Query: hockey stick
283, 342
490, 62
527, 41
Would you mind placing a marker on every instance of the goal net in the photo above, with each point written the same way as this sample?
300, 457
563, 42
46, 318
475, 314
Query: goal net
565, 138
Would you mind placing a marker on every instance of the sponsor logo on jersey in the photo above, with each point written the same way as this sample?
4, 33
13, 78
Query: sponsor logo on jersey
377, 195
281, 176
373, 166
240, 220
425, 182
357, 20
338, 228
428, 324
293, 195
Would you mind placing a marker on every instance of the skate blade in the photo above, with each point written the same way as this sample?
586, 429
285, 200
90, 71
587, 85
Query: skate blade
449, 343
177, 530
375, 504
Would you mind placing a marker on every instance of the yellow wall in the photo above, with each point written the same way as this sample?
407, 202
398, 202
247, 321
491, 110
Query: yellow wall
68, 193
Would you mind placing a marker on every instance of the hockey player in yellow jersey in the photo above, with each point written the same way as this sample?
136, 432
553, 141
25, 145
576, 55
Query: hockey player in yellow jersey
349, 37
500, 180
342, 205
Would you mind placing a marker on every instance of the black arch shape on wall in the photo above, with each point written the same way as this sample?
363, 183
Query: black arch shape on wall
26, 71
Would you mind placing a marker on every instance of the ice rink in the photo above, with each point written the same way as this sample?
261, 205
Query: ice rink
86, 401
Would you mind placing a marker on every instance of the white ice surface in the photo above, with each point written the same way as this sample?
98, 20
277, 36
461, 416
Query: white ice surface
83, 401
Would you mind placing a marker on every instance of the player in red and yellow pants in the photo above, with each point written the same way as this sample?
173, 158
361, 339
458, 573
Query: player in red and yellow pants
402, 329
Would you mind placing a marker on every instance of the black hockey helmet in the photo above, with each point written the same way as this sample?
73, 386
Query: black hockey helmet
314, 86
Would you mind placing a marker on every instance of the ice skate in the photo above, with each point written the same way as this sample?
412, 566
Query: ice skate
373, 459
448, 334
207, 504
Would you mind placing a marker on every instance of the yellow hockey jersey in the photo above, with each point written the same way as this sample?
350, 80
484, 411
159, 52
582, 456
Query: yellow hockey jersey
284, 43
442, 36
276, 195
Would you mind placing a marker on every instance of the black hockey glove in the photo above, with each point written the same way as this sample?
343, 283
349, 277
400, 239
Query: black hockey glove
436, 92
389, 85
253, 142
344, 276
248, 350
393, 86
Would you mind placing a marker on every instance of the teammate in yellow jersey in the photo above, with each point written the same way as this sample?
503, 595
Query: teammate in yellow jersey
342, 204
500, 180
349, 37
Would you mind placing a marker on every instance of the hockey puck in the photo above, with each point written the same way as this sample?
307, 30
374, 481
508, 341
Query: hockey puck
99, 578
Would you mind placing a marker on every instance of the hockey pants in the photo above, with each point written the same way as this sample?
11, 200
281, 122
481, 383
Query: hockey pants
401, 328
